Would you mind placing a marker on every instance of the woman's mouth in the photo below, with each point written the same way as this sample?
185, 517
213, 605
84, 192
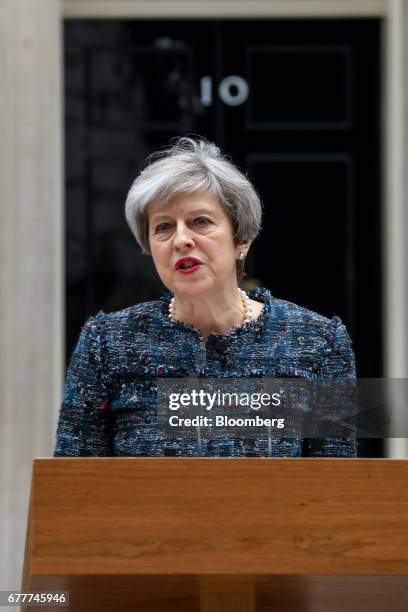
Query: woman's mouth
188, 265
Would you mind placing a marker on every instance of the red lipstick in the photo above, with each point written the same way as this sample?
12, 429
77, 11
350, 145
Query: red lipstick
188, 265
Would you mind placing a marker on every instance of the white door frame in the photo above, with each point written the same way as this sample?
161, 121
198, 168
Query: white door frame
133, 9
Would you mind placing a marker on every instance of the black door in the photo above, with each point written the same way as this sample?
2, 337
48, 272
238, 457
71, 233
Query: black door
294, 103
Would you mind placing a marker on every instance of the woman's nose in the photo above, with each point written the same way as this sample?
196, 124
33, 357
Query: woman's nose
183, 237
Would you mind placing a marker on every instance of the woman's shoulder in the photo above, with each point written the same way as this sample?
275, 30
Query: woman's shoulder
300, 331
281, 309
137, 313
292, 319
301, 314
127, 334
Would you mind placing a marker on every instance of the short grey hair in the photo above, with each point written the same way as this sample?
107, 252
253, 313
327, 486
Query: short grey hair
187, 166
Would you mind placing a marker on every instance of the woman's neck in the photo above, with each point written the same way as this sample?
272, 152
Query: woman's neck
214, 314
211, 313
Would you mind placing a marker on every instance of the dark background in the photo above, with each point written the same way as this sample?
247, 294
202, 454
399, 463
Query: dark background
307, 132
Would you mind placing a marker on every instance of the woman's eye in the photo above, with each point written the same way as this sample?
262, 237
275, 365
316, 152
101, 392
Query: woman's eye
202, 221
162, 227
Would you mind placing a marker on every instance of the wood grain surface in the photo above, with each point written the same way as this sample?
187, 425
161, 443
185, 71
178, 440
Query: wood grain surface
312, 534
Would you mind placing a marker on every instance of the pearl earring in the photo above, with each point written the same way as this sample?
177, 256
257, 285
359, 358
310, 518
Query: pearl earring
241, 256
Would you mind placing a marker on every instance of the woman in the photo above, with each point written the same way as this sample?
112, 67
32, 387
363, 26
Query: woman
197, 215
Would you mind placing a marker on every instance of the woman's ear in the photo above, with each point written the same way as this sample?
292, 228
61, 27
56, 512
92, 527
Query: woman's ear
243, 247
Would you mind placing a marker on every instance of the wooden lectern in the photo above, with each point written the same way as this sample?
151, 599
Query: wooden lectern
210, 534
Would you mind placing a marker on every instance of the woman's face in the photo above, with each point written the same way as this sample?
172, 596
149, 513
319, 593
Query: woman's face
193, 230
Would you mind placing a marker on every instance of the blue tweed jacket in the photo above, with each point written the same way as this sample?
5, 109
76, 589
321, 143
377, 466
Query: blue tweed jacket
109, 405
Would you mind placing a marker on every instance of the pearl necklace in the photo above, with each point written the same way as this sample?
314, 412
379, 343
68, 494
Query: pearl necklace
246, 305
